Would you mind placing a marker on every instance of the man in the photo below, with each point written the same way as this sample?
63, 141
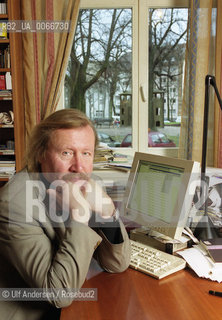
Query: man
54, 217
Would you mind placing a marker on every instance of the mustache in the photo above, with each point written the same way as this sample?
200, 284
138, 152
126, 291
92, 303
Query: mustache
73, 177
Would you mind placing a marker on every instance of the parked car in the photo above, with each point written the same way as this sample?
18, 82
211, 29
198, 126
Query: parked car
155, 139
105, 139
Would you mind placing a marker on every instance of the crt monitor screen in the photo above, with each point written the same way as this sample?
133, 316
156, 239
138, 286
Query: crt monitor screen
160, 192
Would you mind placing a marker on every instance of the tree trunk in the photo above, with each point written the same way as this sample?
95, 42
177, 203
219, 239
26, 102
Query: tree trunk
77, 100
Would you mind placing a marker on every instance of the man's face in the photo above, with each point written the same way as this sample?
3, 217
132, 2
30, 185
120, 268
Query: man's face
69, 151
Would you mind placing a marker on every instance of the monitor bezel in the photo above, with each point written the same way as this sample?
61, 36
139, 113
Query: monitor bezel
183, 205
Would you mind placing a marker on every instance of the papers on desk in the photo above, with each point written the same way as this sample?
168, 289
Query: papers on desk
119, 166
106, 158
198, 260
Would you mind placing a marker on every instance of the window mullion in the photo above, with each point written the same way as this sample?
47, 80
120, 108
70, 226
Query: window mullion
143, 76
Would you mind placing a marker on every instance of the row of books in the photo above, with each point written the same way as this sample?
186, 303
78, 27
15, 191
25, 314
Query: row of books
7, 163
7, 168
3, 8
5, 58
4, 151
6, 93
6, 81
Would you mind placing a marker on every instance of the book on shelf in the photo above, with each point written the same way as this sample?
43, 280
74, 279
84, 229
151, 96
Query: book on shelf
5, 58
8, 81
213, 248
5, 93
7, 171
7, 163
7, 152
2, 82
3, 30
7, 167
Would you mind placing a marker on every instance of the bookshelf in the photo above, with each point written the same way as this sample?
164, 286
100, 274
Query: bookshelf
12, 141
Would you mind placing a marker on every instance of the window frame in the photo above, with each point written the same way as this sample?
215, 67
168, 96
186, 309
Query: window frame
140, 58
143, 77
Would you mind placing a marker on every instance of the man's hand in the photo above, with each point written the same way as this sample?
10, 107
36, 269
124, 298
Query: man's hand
80, 196
70, 196
98, 200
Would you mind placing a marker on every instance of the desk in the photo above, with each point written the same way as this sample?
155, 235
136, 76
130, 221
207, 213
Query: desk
133, 295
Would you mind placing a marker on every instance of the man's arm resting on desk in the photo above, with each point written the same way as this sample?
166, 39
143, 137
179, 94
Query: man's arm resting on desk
113, 254
55, 257
45, 263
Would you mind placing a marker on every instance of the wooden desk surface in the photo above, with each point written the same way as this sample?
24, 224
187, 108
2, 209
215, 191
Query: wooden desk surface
133, 295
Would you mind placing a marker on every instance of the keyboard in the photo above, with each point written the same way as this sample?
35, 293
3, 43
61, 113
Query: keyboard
154, 262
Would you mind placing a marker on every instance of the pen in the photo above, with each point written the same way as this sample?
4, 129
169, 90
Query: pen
215, 293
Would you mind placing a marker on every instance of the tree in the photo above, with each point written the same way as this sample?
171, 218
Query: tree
102, 48
166, 34
118, 74
100, 42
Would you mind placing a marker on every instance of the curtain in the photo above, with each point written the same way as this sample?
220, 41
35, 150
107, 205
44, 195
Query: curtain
218, 113
200, 61
46, 54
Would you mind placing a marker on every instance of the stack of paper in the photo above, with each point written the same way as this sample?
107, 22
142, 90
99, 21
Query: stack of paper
102, 157
198, 259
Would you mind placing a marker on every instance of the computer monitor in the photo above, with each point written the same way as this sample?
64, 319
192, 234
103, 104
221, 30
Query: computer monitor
160, 192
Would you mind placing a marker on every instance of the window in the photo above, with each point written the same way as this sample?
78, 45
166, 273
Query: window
126, 69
